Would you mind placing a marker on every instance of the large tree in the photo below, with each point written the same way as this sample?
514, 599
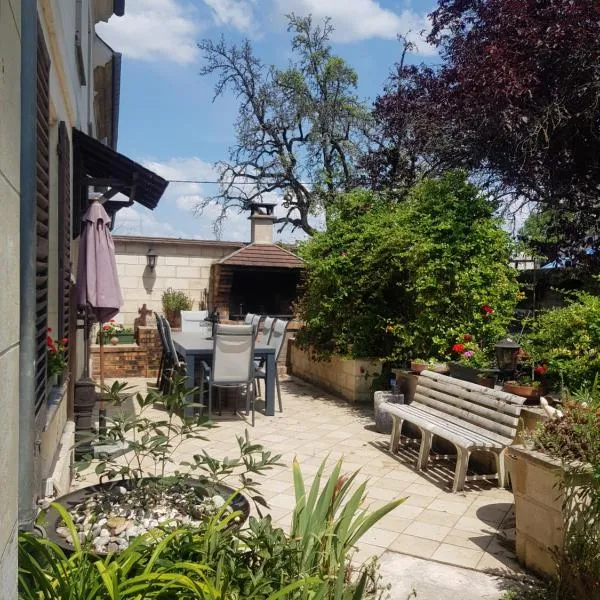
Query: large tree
299, 129
516, 99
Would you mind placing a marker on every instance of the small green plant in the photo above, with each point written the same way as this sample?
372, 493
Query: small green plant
174, 301
154, 488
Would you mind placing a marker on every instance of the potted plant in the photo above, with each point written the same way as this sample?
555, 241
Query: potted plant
528, 381
56, 358
173, 302
141, 487
418, 364
115, 333
471, 362
555, 478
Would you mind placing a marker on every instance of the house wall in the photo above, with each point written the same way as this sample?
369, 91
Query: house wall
181, 264
71, 102
10, 118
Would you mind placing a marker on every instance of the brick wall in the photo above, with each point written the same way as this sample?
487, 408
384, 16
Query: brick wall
141, 359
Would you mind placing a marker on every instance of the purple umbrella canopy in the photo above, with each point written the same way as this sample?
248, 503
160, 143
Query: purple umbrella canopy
97, 280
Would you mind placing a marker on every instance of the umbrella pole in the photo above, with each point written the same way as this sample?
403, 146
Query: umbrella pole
102, 410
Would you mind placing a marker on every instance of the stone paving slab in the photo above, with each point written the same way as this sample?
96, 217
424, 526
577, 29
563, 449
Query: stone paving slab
473, 528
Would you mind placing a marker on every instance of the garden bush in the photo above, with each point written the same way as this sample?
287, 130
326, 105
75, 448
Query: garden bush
401, 279
568, 340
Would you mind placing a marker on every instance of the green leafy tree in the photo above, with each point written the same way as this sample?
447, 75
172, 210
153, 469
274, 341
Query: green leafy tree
401, 280
299, 130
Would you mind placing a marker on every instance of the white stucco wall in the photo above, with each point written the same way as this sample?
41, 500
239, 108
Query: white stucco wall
10, 117
181, 265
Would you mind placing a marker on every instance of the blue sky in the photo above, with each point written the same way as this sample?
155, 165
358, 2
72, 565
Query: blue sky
167, 118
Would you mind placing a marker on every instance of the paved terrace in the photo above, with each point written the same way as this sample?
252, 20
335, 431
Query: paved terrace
472, 529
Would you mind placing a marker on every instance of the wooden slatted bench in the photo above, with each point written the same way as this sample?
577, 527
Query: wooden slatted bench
470, 416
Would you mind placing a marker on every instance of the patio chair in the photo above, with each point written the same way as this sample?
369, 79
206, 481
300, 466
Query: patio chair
175, 365
232, 363
276, 341
248, 318
255, 323
164, 355
195, 320
267, 329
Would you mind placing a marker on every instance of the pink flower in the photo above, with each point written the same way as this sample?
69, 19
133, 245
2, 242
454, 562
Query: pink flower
469, 354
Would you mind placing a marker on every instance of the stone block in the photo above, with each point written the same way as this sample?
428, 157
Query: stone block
383, 420
539, 522
541, 485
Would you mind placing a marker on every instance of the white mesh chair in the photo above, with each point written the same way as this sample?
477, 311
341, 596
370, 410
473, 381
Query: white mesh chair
248, 318
267, 329
255, 323
195, 320
276, 341
232, 363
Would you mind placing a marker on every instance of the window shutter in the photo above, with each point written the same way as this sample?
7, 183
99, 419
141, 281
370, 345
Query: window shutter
43, 204
64, 233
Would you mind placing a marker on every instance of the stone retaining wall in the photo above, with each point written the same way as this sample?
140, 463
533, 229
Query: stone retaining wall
349, 378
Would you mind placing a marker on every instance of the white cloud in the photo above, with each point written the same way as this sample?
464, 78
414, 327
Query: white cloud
357, 20
153, 30
132, 220
237, 13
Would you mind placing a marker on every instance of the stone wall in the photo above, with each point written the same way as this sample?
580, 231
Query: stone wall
10, 77
181, 264
349, 378
538, 507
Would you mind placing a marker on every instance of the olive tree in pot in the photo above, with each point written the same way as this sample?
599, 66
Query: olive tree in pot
142, 487
173, 302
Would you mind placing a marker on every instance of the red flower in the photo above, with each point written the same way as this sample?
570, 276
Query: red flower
467, 337
49, 329
487, 309
64, 341
458, 348
49, 341
106, 327
541, 370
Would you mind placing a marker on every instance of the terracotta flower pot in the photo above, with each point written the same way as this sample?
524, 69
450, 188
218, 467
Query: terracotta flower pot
417, 367
533, 394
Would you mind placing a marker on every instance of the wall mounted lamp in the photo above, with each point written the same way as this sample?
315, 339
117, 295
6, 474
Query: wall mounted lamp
151, 257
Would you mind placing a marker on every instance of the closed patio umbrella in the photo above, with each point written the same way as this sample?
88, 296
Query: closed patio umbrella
98, 288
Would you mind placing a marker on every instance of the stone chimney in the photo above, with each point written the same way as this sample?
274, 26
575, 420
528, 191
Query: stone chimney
261, 223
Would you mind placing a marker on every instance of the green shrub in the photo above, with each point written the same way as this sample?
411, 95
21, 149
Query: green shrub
403, 279
174, 301
568, 340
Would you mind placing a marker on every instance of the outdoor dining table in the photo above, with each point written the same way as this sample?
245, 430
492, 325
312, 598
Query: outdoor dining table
194, 344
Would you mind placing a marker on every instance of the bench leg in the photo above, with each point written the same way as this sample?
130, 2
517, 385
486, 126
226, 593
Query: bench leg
462, 462
396, 431
500, 468
424, 450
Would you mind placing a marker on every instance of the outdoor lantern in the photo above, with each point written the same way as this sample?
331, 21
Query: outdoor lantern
151, 259
506, 354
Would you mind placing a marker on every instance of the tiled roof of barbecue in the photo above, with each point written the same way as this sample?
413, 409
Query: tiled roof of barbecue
263, 255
